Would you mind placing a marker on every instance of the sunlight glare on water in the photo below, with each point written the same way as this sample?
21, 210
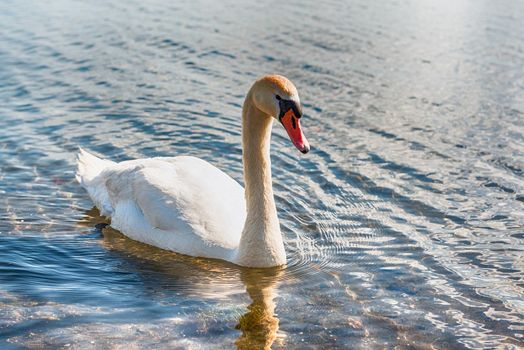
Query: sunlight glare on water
403, 225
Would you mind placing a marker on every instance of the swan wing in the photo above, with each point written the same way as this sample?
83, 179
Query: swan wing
181, 195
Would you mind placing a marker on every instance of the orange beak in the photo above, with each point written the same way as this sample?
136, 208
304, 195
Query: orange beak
292, 125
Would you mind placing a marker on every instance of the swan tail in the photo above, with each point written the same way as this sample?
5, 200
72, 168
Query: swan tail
89, 167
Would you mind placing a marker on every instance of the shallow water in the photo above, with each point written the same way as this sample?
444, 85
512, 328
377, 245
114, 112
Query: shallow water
403, 226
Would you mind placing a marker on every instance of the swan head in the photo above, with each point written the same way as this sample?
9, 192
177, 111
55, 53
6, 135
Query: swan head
276, 96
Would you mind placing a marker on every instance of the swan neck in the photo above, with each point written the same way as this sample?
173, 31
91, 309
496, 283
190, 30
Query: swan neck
261, 243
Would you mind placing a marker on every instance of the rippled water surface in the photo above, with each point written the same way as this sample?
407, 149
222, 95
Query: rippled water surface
404, 226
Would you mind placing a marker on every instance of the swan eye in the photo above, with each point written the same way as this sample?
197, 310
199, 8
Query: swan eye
278, 97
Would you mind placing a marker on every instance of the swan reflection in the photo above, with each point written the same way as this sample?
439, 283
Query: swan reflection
163, 272
259, 325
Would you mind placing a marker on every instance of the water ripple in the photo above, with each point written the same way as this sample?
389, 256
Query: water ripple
403, 226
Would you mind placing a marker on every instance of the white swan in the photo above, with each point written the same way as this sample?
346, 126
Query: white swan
186, 205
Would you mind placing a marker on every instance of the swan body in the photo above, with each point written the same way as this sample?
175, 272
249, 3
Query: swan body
185, 204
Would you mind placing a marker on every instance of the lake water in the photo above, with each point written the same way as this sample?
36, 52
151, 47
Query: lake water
404, 225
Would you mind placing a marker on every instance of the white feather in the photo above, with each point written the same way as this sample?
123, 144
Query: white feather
183, 204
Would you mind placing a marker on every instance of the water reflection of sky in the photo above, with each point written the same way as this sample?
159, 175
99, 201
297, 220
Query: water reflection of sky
402, 226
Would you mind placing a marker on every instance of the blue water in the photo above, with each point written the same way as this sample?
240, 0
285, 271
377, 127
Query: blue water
404, 225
